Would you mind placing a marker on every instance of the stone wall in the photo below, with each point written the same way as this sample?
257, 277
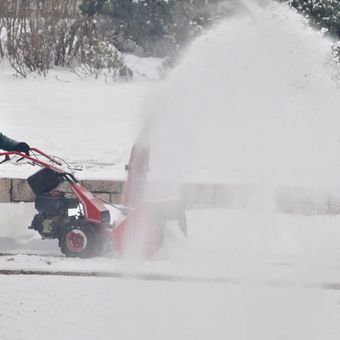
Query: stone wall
18, 190
290, 200
293, 200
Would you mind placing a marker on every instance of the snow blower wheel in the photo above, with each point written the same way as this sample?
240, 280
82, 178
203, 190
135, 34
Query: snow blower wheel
80, 241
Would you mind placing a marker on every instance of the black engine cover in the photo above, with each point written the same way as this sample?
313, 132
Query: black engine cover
44, 181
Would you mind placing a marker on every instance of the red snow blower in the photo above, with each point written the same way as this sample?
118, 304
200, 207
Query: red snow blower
83, 223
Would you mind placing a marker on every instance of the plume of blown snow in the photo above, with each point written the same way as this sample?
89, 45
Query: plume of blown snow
253, 101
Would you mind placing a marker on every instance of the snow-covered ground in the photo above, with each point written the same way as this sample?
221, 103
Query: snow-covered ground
78, 308
240, 275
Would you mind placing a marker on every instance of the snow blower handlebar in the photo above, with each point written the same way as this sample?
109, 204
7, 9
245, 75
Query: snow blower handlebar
46, 156
33, 159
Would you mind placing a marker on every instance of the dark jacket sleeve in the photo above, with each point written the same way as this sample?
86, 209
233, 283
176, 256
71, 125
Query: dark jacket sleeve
7, 144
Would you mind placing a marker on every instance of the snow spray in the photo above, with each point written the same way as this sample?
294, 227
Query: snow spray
252, 102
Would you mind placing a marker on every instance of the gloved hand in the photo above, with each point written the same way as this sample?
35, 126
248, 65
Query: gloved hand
23, 147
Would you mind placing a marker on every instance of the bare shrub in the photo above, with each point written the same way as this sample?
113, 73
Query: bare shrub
39, 34
100, 56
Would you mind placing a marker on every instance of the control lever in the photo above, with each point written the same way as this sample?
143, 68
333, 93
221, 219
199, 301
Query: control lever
20, 159
7, 158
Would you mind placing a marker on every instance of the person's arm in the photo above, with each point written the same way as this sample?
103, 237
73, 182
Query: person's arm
9, 144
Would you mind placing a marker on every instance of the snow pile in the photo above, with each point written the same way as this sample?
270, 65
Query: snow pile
252, 102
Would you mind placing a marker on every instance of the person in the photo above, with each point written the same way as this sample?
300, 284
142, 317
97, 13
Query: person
9, 144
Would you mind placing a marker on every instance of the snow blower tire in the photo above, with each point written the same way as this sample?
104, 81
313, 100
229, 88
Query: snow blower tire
80, 241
